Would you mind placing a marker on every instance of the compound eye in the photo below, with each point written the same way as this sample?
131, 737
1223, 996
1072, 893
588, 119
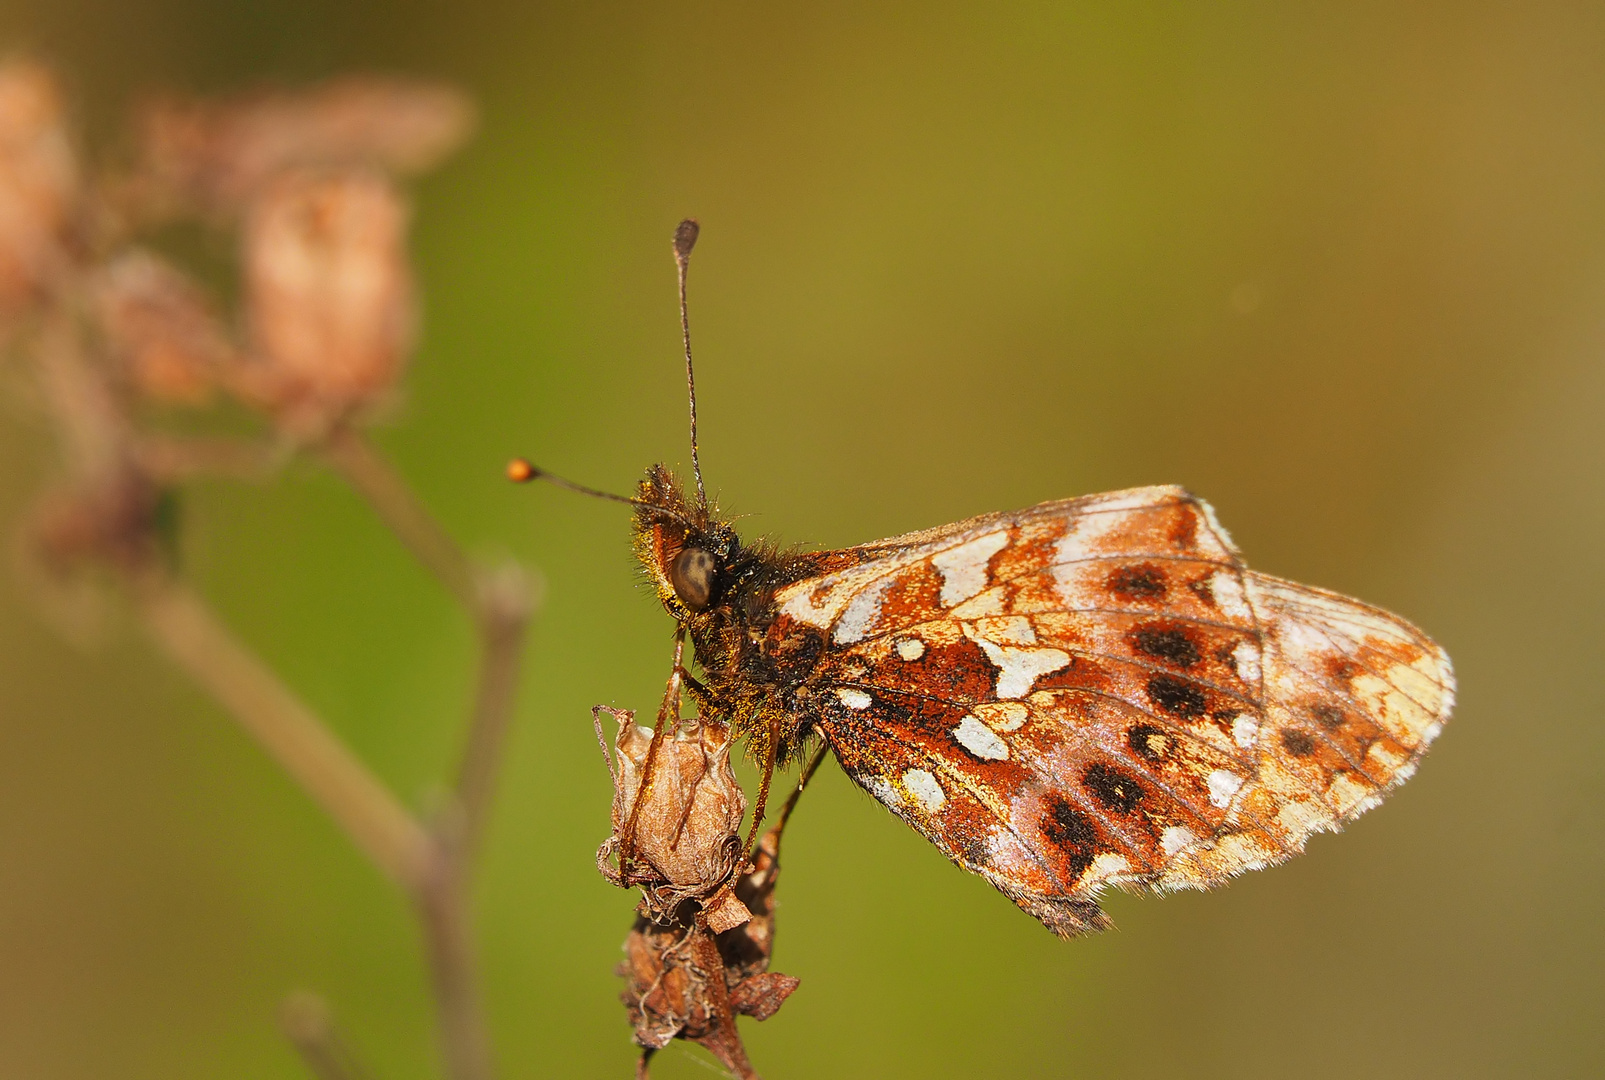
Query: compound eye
692, 577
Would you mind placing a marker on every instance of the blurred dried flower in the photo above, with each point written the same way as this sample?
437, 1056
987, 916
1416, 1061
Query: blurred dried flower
329, 291
160, 329
216, 156
38, 182
117, 521
686, 841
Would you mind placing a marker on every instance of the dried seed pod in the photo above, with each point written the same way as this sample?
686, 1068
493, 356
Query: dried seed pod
685, 981
330, 294
698, 954
38, 183
686, 839
160, 329
215, 157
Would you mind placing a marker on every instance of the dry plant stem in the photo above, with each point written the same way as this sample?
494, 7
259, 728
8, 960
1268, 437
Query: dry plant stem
173, 459
498, 603
203, 647
503, 619
443, 912
424, 863
307, 1024
373, 478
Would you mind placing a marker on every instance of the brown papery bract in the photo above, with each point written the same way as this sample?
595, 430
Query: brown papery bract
38, 183
161, 331
686, 840
215, 157
698, 954
683, 980
330, 294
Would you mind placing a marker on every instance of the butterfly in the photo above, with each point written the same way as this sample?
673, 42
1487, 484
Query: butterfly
1087, 693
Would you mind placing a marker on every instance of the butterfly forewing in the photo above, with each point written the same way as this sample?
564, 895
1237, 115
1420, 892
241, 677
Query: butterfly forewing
1096, 691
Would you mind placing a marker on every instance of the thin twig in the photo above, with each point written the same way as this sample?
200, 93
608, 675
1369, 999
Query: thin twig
499, 604
307, 1024
166, 458
426, 864
359, 463
503, 617
204, 648
448, 942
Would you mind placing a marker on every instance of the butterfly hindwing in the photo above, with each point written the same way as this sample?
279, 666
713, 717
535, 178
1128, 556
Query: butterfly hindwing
1096, 691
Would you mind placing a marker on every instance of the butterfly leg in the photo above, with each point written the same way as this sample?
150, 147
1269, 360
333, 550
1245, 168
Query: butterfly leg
767, 765
668, 717
802, 781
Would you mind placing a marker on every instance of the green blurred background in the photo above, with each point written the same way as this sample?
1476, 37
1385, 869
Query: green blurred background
1338, 267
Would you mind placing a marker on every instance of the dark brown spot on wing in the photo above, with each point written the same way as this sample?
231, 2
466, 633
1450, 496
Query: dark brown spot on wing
1070, 831
1184, 530
1114, 789
1168, 643
1204, 589
1176, 697
1149, 742
1298, 743
1329, 717
1144, 580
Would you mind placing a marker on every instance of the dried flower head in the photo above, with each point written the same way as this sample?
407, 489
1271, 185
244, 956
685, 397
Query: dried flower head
215, 157
329, 291
38, 183
686, 839
683, 980
160, 330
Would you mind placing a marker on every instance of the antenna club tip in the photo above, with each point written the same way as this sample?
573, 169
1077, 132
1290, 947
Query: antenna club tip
685, 238
520, 471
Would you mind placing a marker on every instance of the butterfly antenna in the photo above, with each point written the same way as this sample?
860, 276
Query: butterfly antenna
685, 238
521, 471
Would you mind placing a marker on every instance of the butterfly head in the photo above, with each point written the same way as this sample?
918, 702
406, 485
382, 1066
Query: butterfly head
687, 552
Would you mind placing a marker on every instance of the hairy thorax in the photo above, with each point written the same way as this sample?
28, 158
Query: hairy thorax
721, 593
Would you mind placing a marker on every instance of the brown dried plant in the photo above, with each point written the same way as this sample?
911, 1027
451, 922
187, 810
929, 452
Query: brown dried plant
698, 954
106, 328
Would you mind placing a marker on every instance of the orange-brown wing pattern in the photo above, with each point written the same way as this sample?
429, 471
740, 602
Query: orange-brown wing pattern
1097, 691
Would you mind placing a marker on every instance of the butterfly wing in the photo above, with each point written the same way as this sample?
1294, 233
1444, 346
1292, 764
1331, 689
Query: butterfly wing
1097, 692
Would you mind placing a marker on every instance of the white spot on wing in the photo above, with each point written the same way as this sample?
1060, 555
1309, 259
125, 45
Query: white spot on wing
1082, 540
1003, 715
910, 648
1245, 658
926, 791
1175, 838
1245, 731
980, 740
984, 603
1222, 786
1019, 669
800, 606
1229, 596
862, 611
964, 567
853, 698
878, 787
1006, 630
